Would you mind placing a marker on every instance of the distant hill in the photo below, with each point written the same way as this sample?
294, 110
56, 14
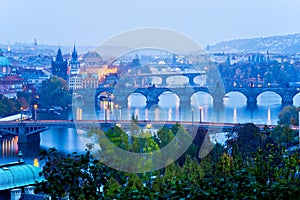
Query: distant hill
287, 44
65, 49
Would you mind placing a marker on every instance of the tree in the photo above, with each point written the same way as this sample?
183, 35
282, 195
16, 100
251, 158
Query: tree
78, 176
283, 134
266, 173
8, 106
247, 140
54, 92
288, 116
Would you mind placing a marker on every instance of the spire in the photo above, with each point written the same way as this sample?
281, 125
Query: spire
74, 54
59, 57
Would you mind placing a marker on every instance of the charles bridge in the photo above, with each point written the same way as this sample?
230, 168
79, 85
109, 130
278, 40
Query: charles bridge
120, 94
122, 90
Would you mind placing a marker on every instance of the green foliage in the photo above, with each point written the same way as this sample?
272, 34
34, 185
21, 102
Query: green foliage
25, 99
54, 92
8, 106
78, 176
247, 140
289, 116
283, 134
262, 170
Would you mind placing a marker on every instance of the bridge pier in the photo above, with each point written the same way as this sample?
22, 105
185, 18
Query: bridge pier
164, 81
218, 98
251, 100
29, 139
29, 134
185, 103
151, 101
286, 99
191, 81
22, 134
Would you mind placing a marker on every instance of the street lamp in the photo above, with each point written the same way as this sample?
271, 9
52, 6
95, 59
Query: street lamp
299, 131
200, 114
117, 109
105, 115
192, 116
21, 113
35, 106
120, 107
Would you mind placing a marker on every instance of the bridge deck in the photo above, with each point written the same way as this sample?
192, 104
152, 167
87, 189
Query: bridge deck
122, 123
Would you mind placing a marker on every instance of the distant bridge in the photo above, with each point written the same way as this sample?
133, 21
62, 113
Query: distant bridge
122, 90
166, 75
29, 131
121, 93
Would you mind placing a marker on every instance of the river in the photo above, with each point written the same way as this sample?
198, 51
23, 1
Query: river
234, 110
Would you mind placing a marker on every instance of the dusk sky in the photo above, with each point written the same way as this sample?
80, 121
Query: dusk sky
90, 22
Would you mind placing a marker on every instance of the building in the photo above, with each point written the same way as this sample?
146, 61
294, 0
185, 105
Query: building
74, 63
90, 81
17, 177
75, 82
34, 77
5, 68
92, 59
11, 85
60, 66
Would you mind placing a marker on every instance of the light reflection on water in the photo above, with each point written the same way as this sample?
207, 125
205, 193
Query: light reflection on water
235, 110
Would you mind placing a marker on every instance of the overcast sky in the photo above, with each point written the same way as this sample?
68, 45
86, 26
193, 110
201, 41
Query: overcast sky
89, 22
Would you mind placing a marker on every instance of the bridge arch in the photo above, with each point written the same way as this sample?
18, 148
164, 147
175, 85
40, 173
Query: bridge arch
269, 97
296, 99
200, 80
235, 98
201, 98
170, 98
156, 80
136, 99
177, 80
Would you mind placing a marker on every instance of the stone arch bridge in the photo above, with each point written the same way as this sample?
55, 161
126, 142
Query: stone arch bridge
152, 93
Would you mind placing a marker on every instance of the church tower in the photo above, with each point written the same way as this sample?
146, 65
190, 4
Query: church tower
74, 63
60, 66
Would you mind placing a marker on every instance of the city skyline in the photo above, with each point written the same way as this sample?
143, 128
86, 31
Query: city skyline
63, 23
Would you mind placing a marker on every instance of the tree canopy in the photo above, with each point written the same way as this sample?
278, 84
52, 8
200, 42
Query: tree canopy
54, 92
289, 115
8, 106
265, 171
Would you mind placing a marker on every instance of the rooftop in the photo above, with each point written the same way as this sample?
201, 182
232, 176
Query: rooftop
18, 174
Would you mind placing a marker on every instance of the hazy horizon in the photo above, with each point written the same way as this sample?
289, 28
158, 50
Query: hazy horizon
92, 22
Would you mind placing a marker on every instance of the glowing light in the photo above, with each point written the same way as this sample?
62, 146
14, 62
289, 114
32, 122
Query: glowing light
234, 116
36, 162
170, 114
146, 114
269, 116
156, 114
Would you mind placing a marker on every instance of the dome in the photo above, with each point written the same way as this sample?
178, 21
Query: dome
3, 60
18, 174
